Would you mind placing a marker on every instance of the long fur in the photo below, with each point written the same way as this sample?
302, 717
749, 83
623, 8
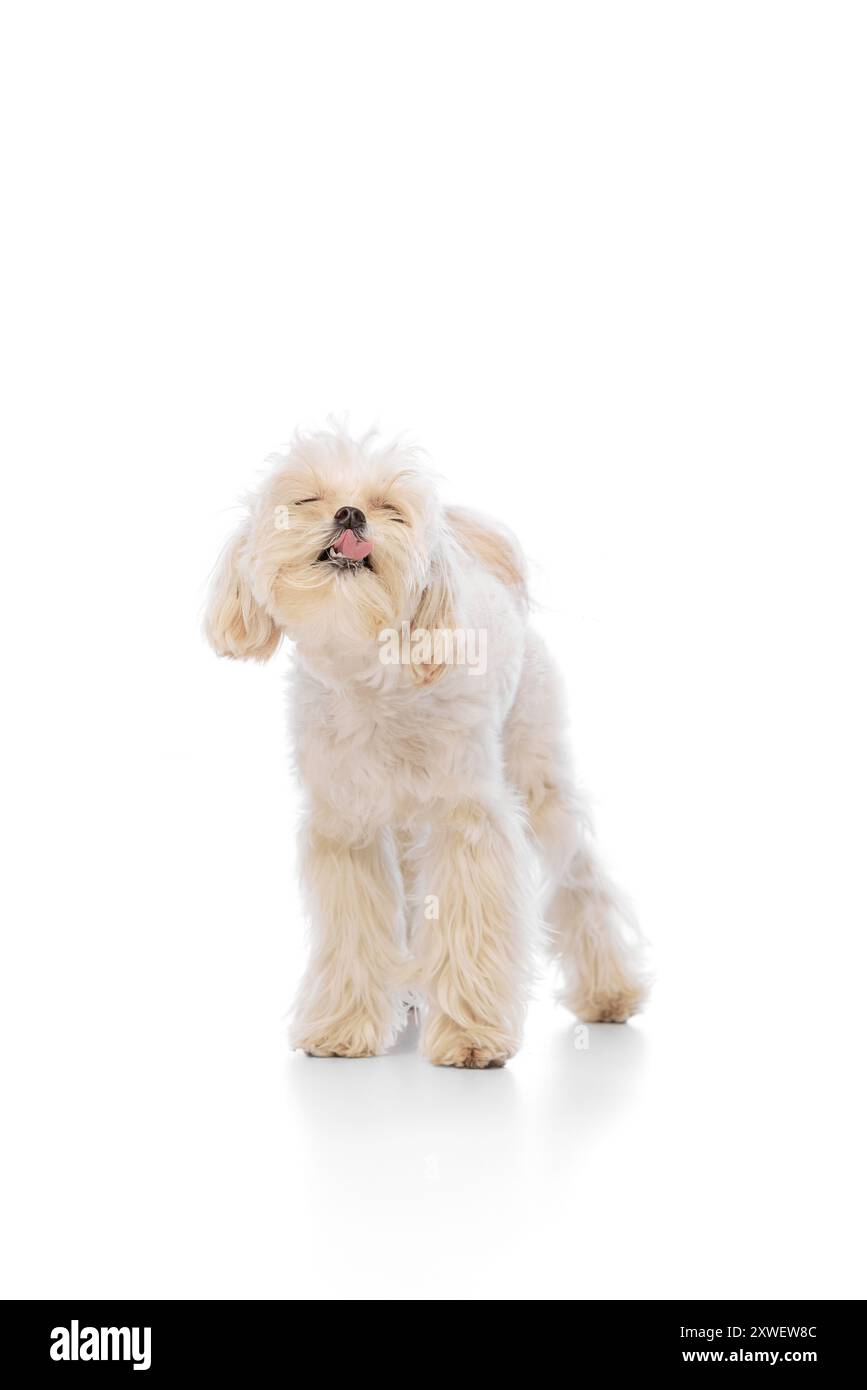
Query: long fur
435, 792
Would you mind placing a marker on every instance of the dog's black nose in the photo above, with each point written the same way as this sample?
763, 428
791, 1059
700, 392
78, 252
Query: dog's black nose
350, 517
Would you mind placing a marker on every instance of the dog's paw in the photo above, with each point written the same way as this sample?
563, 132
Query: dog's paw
326, 1047
614, 1007
478, 1058
446, 1044
356, 1036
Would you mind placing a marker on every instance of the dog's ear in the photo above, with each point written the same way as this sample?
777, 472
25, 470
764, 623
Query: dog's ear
235, 624
436, 608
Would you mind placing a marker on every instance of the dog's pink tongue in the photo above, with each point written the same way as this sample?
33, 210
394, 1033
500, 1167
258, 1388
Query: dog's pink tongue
349, 545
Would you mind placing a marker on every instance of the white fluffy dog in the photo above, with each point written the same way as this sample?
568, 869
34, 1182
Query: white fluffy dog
436, 780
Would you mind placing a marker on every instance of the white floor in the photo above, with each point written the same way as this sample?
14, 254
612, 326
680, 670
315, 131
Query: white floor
161, 1141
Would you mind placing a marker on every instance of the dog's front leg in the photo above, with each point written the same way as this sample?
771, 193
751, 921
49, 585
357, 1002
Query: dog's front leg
474, 944
350, 1003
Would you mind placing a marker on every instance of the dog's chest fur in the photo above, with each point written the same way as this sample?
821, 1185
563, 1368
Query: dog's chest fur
378, 749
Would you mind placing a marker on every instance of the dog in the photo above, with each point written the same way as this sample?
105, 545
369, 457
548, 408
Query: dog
443, 833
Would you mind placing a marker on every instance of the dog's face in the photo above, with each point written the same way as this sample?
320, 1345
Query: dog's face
341, 542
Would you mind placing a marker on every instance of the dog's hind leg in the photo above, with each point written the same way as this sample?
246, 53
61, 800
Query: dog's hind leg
591, 931
593, 935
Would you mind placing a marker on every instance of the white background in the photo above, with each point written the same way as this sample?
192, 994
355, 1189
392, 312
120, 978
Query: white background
607, 263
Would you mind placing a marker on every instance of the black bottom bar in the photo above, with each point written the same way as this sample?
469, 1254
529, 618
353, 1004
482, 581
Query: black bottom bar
159, 1340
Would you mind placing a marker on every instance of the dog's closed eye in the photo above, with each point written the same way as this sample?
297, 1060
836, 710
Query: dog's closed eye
395, 514
305, 500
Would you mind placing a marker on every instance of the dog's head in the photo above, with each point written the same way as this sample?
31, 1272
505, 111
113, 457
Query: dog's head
345, 538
